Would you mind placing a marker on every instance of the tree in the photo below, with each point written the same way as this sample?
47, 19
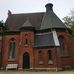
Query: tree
3, 25
69, 21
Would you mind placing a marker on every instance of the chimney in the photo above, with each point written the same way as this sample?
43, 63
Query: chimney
49, 7
9, 13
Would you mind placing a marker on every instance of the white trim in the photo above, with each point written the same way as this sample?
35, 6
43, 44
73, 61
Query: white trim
43, 33
55, 37
11, 66
50, 62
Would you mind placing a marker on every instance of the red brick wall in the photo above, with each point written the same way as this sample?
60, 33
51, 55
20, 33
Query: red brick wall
72, 51
23, 48
58, 60
6, 39
68, 59
45, 58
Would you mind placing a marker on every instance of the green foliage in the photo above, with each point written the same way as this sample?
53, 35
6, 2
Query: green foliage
3, 25
69, 21
72, 28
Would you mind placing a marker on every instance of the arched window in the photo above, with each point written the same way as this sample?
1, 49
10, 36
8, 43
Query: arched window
49, 55
26, 34
12, 47
61, 41
50, 61
40, 55
26, 41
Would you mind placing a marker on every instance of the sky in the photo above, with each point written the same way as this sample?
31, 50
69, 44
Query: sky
62, 8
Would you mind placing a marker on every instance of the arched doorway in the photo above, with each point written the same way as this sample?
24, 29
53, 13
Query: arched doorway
26, 61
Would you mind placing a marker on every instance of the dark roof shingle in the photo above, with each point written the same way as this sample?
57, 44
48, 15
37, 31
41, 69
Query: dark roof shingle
44, 39
15, 21
50, 20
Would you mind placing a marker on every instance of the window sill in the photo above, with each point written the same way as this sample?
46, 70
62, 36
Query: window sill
26, 45
65, 56
41, 62
50, 62
11, 59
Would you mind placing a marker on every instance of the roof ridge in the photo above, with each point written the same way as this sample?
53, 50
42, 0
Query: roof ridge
27, 13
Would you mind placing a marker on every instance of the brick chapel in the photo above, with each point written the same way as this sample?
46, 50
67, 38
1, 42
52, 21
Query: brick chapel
36, 41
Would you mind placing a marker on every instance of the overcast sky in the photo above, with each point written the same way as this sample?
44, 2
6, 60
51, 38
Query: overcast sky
61, 7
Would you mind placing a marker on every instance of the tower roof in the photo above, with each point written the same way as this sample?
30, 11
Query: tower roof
50, 19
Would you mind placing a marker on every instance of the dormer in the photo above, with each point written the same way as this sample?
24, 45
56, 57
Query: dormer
26, 26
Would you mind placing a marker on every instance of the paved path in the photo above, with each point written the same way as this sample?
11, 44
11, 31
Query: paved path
26, 72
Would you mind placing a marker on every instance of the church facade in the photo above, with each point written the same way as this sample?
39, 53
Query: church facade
36, 41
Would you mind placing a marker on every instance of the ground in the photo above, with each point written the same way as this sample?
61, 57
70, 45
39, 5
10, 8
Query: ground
43, 72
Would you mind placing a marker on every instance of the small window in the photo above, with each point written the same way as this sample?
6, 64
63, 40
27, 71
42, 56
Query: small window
50, 57
26, 41
26, 34
12, 47
40, 57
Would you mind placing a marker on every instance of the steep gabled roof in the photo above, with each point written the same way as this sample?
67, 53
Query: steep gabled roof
15, 21
50, 19
40, 20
